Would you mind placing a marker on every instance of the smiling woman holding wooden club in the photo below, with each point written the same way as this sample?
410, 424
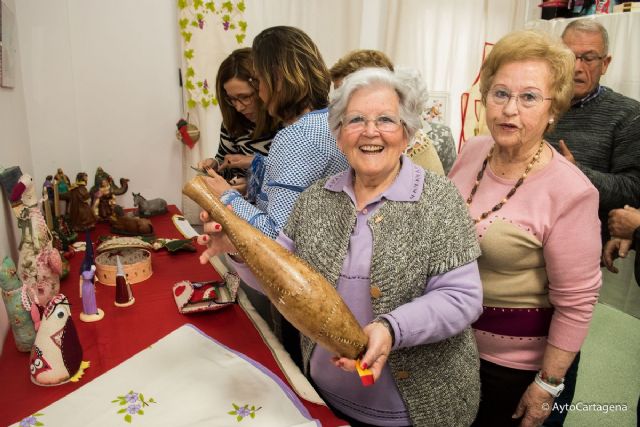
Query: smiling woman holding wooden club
398, 245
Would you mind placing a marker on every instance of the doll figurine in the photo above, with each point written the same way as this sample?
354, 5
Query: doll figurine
24, 332
61, 186
56, 356
90, 311
39, 263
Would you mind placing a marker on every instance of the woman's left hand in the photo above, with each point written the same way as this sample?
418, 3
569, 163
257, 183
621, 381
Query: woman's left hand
377, 353
216, 183
214, 238
535, 404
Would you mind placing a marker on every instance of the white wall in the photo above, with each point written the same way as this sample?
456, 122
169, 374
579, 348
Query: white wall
101, 89
96, 85
14, 151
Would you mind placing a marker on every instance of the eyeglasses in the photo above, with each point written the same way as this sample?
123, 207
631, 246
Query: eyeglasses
358, 123
589, 58
242, 99
501, 96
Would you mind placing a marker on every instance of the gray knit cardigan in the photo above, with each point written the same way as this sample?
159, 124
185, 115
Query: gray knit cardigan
412, 241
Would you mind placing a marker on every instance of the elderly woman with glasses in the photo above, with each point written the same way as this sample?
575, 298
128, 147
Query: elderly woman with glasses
537, 221
398, 244
247, 129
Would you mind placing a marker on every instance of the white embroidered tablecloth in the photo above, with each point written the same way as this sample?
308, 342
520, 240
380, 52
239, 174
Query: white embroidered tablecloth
185, 379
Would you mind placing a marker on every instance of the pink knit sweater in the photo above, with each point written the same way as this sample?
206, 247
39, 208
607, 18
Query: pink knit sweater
540, 263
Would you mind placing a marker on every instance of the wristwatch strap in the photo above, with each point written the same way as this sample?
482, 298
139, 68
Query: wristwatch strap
553, 390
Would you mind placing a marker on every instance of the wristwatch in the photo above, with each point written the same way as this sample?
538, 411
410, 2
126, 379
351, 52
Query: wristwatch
554, 390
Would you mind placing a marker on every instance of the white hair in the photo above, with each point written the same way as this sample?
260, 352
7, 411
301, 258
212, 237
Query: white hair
407, 83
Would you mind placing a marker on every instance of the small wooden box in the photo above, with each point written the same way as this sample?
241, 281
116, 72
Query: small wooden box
136, 263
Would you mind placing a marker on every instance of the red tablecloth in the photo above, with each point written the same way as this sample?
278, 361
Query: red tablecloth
126, 331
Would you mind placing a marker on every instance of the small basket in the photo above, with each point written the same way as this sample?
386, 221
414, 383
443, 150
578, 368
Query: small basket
136, 263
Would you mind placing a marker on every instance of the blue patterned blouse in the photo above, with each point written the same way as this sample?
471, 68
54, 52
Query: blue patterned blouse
300, 154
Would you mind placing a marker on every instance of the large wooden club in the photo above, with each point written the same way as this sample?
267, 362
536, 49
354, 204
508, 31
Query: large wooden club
301, 294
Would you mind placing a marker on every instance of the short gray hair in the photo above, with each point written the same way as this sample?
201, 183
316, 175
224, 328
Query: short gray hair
407, 83
588, 25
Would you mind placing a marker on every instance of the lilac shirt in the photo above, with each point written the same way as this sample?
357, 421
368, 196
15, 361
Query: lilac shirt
451, 301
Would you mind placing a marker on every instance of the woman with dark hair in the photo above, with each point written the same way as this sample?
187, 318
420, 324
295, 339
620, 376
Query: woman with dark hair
247, 129
294, 85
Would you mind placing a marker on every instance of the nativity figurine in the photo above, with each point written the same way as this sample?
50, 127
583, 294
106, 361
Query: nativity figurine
104, 201
101, 175
147, 208
81, 215
61, 186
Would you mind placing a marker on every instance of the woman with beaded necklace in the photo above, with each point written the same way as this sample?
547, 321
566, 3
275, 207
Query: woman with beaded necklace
537, 221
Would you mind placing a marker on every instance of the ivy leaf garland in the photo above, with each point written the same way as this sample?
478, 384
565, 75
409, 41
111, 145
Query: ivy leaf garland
195, 15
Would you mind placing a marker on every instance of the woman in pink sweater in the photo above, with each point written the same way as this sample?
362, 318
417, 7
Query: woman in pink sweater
536, 217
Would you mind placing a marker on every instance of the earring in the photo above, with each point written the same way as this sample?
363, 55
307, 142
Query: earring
551, 120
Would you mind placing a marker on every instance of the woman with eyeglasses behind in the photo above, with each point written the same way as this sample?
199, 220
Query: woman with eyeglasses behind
398, 245
536, 217
247, 129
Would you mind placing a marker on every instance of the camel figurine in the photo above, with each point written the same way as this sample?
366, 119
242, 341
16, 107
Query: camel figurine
147, 208
115, 190
39, 263
129, 225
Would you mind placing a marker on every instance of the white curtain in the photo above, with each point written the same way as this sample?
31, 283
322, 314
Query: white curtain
442, 39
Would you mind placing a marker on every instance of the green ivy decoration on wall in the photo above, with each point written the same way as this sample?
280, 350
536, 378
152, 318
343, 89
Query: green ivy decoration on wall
195, 15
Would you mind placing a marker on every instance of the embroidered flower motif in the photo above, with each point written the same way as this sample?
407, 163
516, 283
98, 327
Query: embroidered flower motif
133, 409
133, 404
131, 397
31, 420
241, 412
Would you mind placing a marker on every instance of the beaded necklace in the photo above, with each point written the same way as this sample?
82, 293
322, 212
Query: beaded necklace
497, 207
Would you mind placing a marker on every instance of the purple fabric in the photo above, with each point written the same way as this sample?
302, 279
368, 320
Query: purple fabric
515, 322
450, 302
89, 305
